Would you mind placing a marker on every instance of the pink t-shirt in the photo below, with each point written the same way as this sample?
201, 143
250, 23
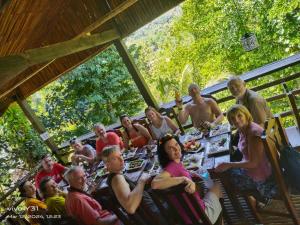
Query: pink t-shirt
249, 141
178, 170
85, 209
112, 139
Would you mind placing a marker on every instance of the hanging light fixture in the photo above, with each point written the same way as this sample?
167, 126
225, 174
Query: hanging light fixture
248, 40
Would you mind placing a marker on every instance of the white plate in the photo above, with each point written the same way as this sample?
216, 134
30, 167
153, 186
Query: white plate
215, 145
220, 129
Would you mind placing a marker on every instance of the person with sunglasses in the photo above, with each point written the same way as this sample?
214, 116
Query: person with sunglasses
174, 173
82, 152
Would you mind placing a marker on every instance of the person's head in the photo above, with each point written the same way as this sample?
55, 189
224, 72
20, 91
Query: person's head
169, 149
236, 86
239, 116
75, 144
48, 187
100, 130
194, 90
113, 159
27, 189
125, 121
152, 114
47, 163
76, 177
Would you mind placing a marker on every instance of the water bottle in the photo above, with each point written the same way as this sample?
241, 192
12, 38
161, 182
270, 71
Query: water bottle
204, 174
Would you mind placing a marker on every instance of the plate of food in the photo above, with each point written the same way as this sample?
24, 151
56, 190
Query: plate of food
102, 172
195, 133
192, 163
130, 154
193, 146
219, 144
220, 129
135, 165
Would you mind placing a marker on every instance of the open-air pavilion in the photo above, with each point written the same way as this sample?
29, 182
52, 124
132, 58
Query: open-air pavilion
42, 40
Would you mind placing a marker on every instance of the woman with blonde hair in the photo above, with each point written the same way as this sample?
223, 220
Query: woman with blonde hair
254, 172
160, 125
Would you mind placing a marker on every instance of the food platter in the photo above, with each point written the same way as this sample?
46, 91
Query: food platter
192, 162
218, 144
102, 172
220, 129
193, 146
130, 154
195, 133
134, 165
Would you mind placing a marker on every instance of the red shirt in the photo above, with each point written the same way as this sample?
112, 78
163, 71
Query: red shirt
85, 209
56, 173
112, 139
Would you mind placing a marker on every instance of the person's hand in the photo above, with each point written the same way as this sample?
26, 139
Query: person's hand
144, 178
223, 167
207, 124
216, 189
190, 185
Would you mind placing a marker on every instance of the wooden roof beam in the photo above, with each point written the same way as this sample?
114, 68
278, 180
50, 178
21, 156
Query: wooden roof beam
108, 16
11, 66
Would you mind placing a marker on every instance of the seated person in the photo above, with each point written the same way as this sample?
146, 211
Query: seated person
160, 125
174, 173
54, 198
255, 103
105, 139
137, 134
131, 197
51, 169
82, 206
204, 112
36, 209
82, 152
254, 172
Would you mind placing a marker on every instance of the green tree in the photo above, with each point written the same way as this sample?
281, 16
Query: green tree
99, 90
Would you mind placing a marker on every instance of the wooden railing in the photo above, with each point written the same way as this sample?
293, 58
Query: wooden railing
170, 107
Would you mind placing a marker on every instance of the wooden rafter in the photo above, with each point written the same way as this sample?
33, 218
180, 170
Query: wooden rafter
108, 16
11, 66
116, 11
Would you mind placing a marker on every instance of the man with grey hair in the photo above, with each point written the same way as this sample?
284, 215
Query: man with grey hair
81, 205
255, 103
203, 111
82, 152
105, 139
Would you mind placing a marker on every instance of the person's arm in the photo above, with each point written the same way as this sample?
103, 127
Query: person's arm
256, 154
183, 114
143, 131
216, 111
172, 125
130, 200
125, 140
258, 110
164, 181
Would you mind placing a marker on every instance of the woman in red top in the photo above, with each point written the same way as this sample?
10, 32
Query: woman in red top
136, 133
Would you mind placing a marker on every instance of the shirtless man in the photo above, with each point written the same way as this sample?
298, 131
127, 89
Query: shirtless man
203, 111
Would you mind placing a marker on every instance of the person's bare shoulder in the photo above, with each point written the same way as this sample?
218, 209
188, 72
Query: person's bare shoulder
210, 101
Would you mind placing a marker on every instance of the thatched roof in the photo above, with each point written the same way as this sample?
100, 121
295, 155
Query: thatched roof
29, 24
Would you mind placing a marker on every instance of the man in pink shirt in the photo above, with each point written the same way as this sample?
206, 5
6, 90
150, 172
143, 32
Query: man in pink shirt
81, 206
50, 169
105, 139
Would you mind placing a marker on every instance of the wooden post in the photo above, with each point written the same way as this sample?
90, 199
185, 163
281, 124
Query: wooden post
37, 124
135, 73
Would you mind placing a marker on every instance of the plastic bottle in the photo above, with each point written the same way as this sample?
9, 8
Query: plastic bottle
204, 174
